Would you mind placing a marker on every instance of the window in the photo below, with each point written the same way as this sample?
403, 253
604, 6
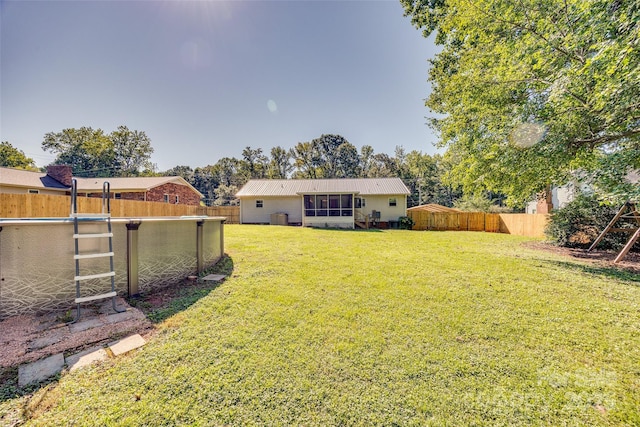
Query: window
117, 196
259, 203
392, 201
33, 191
328, 205
166, 198
346, 205
177, 199
334, 205
309, 205
322, 203
360, 202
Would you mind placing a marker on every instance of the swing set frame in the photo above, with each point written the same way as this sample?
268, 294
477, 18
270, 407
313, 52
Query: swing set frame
628, 214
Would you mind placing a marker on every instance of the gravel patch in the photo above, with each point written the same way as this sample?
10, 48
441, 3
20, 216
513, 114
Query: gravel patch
28, 338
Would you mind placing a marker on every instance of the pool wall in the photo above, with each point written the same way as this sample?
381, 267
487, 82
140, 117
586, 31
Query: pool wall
37, 268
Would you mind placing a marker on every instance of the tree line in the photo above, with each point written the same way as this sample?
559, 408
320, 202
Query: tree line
329, 156
126, 152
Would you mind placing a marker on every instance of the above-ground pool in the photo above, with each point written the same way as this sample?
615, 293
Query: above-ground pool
37, 266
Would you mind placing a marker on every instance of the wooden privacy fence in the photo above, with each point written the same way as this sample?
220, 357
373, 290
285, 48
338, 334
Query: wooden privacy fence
50, 206
532, 225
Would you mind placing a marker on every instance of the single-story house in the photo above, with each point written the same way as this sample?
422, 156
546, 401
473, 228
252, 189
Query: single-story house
57, 181
344, 203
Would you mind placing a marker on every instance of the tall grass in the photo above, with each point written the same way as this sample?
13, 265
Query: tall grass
328, 327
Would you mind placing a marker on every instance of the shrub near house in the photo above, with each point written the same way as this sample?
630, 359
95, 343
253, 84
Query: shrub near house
580, 222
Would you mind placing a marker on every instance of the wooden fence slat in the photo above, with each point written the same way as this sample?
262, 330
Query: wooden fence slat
54, 206
531, 225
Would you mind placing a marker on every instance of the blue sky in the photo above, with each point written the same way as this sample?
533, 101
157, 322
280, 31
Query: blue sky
205, 79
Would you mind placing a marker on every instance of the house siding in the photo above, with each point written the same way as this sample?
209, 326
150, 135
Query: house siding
250, 214
292, 206
23, 190
381, 204
329, 221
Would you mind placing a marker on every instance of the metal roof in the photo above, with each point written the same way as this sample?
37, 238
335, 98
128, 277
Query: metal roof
294, 187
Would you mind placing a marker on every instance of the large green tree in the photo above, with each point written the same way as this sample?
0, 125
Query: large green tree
528, 92
132, 149
425, 177
307, 160
329, 156
254, 164
14, 158
280, 166
91, 152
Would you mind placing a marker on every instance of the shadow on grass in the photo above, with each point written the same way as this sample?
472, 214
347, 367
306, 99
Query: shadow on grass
350, 230
160, 304
611, 272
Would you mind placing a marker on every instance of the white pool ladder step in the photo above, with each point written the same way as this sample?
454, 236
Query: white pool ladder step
103, 218
92, 236
96, 297
98, 255
95, 276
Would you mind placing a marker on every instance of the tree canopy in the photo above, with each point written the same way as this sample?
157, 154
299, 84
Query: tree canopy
121, 153
14, 158
528, 93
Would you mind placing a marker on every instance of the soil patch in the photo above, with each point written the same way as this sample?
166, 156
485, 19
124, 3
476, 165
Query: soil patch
27, 338
631, 261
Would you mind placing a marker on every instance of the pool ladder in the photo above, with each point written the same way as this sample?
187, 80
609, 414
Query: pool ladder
87, 218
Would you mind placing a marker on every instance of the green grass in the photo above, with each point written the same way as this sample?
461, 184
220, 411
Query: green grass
328, 327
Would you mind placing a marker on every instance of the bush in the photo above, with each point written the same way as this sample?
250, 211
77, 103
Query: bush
480, 203
581, 221
406, 223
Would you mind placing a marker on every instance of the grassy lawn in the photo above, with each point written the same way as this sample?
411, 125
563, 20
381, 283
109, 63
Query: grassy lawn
327, 327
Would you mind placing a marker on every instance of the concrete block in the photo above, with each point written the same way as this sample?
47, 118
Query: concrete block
40, 370
86, 358
214, 277
120, 317
47, 340
87, 324
126, 344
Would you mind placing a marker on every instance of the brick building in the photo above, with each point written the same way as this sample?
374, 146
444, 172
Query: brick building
57, 180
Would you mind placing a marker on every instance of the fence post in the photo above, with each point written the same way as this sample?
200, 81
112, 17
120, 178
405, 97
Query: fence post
132, 257
200, 246
222, 238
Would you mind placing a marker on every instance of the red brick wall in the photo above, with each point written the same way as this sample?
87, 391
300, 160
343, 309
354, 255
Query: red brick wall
545, 202
61, 173
185, 194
